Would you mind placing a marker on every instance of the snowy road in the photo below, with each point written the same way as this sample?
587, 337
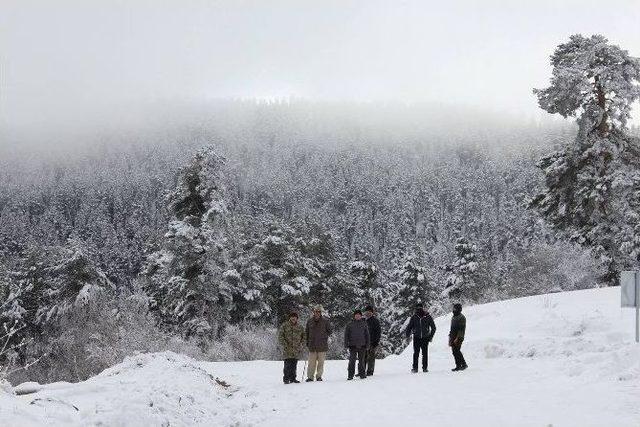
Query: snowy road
536, 361
562, 359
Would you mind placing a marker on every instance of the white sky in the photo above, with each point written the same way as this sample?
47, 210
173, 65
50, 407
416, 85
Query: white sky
64, 60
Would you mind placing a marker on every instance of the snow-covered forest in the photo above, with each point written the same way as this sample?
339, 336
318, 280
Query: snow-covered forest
196, 236
201, 203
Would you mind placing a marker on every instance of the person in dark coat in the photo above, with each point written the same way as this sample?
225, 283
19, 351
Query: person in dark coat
317, 332
356, 339
291, 338
456, 337
374, 334
423, 329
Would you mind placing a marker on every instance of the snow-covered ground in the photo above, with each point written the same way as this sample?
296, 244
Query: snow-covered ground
562, 359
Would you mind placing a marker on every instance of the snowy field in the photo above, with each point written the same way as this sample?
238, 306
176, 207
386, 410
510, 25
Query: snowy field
562, 359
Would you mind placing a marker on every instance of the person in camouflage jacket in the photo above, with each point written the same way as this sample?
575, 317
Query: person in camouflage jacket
291, 337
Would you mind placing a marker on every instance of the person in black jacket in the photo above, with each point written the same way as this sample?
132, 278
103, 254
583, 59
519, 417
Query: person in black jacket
456, 337
374, 334
356, 339
423, 329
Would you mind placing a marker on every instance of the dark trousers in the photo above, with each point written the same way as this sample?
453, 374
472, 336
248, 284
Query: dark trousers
371, 360
457, 354
290, 368
418, 345
360, 354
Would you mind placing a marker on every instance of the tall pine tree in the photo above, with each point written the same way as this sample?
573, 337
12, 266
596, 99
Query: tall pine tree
592, 192
186, 276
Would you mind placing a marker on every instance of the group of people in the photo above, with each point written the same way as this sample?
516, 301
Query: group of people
362, 339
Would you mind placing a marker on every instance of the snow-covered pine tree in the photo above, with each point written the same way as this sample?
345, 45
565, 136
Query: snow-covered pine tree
410, 287
45, 285
186, 276
461, 280
249, 302
363, 276
295, 269
592, 192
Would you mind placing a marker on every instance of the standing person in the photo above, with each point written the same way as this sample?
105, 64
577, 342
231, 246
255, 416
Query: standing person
456, 337
356, 339
291, 338
374, 334
317, 332
423, 329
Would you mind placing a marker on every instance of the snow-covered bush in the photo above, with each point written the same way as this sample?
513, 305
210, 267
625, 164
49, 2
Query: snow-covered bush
245, 342
538, 271
102, 334
7, 353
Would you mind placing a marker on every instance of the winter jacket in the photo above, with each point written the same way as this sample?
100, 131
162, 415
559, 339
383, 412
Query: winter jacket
421, 327
317, 333
458, 327
356, 334
291, 338
374, 330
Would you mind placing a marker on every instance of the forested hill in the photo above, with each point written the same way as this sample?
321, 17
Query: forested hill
318, 207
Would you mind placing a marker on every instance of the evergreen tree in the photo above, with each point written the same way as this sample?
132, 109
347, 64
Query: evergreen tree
363, 276
462, 277
45, 285
592, 185
410, 287
186, 276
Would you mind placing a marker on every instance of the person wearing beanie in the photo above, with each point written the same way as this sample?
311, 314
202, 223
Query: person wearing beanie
291, 338
374, 334
356, 339
423, 329
456, 337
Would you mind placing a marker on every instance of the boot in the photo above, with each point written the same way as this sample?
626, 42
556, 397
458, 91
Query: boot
309, 380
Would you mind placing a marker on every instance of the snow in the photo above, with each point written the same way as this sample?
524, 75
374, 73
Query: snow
565, 359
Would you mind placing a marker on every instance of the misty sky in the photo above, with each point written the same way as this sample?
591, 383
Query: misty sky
67, 61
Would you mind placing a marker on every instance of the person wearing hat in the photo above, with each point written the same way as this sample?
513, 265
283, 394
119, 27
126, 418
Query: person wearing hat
356, 339
374, 334
423, 329
456, 336
291, 339
317, 333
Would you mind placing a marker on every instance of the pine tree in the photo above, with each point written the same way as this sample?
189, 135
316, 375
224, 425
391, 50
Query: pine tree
363, 276
410, 287
461, 280
45, 285
186, 276
592, 184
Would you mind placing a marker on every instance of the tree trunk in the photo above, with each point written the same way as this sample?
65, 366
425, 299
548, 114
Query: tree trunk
603, 127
